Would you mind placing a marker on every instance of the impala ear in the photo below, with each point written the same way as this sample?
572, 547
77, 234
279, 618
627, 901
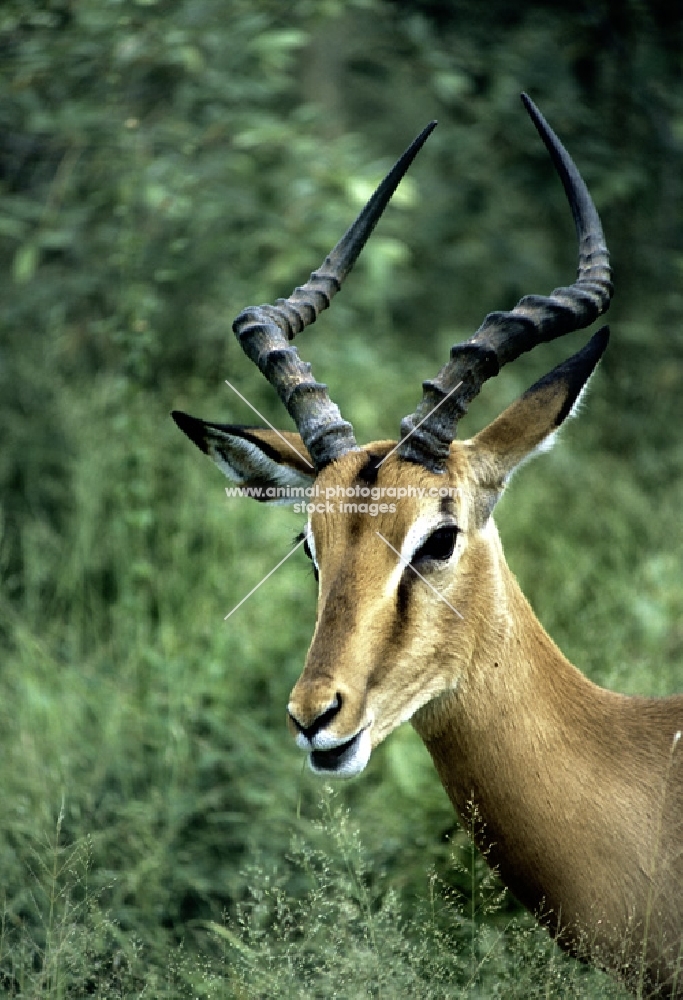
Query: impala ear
530, 424
257, 459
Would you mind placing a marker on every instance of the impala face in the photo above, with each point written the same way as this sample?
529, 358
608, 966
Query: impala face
409, 599
371, 663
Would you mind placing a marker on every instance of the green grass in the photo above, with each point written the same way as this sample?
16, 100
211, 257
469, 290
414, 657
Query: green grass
321, 923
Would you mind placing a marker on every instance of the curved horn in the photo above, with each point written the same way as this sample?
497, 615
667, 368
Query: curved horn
264, 331
427, 433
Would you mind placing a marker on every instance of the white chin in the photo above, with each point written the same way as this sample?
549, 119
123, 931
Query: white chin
343, 761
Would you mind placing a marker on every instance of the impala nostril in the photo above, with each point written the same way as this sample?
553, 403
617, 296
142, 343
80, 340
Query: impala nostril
322, 720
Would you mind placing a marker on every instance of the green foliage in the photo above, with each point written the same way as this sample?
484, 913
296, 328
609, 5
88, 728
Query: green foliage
318, 924
349, 936
162, 165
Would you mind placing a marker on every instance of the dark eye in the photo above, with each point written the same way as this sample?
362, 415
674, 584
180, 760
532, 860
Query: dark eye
439, 545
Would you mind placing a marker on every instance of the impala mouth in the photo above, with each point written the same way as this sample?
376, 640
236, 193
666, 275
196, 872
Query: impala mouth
345, 760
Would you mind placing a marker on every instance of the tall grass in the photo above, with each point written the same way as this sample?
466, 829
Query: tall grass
319, 923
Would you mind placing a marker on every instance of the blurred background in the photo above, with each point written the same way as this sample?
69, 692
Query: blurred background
162, 165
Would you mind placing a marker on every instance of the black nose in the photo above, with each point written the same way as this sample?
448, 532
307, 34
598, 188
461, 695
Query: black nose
321, 720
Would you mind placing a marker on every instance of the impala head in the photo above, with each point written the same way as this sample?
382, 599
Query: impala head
400, 534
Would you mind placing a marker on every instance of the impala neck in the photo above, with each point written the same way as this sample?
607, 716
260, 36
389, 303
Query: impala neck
522, 739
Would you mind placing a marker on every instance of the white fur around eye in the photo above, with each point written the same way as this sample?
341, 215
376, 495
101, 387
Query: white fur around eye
416, 536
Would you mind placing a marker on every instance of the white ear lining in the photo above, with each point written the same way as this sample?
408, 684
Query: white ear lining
547, 444
243, 461
580, 399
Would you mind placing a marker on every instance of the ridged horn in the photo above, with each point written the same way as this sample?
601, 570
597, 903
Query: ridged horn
428, 432
264, 331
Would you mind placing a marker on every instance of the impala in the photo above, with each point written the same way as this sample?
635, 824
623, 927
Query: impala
578, 790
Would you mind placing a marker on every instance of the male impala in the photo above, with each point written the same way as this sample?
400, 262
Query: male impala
578, 791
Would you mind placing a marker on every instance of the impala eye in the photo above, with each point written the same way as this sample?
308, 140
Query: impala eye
439, 546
